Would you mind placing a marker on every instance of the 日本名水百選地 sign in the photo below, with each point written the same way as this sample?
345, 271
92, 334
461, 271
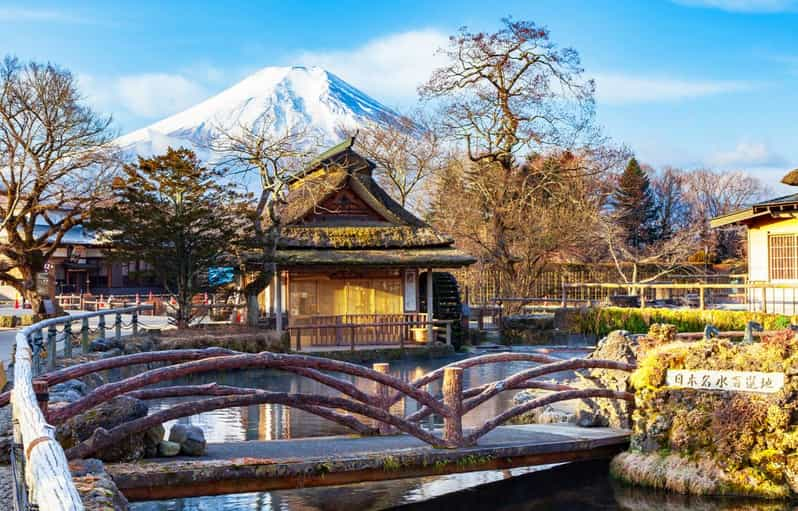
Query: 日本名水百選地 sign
743, 381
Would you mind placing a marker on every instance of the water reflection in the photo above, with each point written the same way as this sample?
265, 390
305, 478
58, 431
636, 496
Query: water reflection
274, 421
573, 487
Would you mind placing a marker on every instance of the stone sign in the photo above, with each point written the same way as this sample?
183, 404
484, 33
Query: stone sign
743, 381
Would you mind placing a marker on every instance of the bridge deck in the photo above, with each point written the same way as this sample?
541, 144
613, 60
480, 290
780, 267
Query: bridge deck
237, 467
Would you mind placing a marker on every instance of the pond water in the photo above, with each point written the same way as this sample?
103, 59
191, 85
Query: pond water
572, 487
577, 487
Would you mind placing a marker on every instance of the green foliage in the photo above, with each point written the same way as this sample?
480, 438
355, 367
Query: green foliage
635, 208
16, 321
601, 321
178, 217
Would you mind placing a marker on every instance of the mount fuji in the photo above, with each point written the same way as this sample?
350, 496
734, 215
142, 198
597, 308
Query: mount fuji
309, 98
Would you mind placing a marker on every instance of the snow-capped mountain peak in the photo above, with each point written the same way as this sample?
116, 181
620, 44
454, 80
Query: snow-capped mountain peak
282, 97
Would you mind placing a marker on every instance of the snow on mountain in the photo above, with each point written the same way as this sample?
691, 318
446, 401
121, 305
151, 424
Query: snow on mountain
283, 97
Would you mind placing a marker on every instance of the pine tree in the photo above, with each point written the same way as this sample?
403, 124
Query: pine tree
635, 207
174, 214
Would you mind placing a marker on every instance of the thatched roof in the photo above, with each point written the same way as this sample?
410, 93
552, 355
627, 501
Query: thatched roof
791, 178
411, 258
336, 213
351, 237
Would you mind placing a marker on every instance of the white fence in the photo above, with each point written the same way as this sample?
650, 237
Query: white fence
46, 471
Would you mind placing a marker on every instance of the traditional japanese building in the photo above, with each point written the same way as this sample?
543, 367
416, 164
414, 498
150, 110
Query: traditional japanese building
772, 249
348, 253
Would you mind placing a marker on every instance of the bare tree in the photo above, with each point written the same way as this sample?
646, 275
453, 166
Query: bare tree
506, 96
710, 194
55, 167
407, 151
275, 157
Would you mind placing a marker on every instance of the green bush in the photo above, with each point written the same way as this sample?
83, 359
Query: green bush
600, 321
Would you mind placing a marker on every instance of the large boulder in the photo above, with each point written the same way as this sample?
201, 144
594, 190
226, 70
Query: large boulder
191, 439
618, 346
115, 412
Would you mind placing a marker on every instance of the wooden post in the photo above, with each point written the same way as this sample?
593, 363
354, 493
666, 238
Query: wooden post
449, 333
298, 338
764, 299
68, 339
42, 392
352, 337
564, 303
101, 326
453, 399
384, 398
134, 320
52, 348
701, 298
641, 291
430, 297
84, 335
278, 302
118, 326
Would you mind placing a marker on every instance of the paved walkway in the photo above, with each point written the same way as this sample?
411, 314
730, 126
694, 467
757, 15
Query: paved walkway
280, 464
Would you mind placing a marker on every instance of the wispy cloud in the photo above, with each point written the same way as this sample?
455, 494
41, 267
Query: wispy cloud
390, 67
747, 155
39, 15
621, 88
763, 6
146, 95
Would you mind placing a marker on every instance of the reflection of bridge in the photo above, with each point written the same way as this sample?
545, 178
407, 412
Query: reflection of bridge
370, 413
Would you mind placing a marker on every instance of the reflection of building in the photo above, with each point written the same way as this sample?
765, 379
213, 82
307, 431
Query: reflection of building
348, 249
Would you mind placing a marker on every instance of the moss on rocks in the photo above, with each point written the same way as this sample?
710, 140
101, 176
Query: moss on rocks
714, 442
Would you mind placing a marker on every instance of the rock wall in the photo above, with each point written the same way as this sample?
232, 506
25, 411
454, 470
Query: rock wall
715, 442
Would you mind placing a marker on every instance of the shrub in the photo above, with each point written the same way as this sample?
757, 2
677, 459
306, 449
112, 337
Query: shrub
600, 321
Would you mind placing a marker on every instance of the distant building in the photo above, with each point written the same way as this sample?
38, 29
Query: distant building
349, 253
772, 239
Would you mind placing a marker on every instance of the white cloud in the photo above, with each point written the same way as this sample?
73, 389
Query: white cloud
617, 88
389, 67
766, 6
747, 155
148, 95
26, 14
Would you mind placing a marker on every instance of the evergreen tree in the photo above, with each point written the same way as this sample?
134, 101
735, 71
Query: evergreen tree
635, 206
175, 215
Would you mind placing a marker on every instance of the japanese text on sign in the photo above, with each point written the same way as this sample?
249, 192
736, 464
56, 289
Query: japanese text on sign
744, 381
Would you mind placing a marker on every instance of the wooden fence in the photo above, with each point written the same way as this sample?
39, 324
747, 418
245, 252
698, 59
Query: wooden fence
36, 453
352, 330
753, 296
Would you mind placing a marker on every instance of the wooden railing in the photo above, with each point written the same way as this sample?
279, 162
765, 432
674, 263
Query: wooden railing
367, 412
46, 472
356, 329
780, 298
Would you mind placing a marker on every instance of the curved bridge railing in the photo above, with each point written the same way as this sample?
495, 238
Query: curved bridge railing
41, 472
366, 413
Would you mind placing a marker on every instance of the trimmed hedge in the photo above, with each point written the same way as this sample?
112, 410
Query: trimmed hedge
15, 321
600, 321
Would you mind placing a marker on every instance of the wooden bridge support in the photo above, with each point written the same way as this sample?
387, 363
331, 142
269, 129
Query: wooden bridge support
453, 399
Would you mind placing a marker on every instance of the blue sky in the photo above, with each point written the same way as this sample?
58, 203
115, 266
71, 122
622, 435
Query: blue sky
686, 83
